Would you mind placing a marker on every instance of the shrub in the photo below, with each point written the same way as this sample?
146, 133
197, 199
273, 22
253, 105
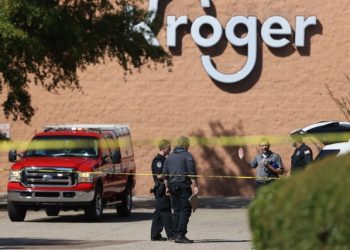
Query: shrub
310, 210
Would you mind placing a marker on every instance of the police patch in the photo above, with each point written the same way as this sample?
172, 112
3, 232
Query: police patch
159, 164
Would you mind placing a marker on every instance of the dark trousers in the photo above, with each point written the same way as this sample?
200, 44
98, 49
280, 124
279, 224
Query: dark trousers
162, 216
259, 185
180, 192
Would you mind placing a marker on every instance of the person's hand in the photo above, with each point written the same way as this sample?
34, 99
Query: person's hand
167, 191
241, 153
195, 190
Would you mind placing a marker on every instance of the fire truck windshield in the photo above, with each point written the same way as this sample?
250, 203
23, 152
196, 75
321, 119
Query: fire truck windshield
63, 146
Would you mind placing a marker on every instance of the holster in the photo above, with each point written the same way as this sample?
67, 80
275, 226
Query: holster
159, 189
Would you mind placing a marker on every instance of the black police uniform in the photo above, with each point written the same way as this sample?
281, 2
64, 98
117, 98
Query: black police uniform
178, 166
301, 157
162, 215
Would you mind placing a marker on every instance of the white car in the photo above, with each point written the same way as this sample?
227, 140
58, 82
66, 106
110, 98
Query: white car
327, 132
334, 150
334, 135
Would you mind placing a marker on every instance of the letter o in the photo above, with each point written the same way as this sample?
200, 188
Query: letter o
204, 41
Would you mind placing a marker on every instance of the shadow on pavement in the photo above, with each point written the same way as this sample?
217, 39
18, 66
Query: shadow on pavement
29, 243
108, 217
219, 241
204, 202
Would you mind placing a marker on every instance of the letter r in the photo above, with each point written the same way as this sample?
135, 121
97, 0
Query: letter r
172, 25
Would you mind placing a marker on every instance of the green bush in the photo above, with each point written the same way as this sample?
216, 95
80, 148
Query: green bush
310, 210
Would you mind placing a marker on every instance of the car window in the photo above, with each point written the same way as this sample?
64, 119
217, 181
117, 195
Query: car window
125, 146
327, 153
106, 153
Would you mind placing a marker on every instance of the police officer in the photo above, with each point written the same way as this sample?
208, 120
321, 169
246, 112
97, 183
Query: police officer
302, 155
177, 168
162, 216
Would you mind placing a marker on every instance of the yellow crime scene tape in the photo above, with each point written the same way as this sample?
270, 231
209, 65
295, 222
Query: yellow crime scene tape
167, 175
194, 141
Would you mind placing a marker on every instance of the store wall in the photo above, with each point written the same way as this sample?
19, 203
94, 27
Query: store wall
286, 90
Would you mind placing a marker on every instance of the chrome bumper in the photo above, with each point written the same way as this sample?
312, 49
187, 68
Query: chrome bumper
51, 196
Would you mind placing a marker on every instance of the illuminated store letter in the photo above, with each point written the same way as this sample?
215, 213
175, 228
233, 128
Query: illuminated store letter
172, 25
301, 25
250, 39
204, 41
267, 31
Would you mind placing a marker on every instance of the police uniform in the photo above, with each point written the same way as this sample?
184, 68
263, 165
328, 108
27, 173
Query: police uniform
301, 157
178, 166
162, 215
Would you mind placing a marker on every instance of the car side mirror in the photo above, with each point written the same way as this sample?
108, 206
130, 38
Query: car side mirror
116, 157
104, 158
12, 155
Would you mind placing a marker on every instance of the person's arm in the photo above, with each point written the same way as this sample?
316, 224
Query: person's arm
154, 171
241, 155
167, 190
308, 156
279, 169
157, 166
195, 186
191, 168
165, 177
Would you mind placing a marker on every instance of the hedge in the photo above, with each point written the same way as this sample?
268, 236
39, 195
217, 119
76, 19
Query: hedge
310, 210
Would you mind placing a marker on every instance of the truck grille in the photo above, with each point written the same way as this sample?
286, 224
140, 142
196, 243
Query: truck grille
49, 177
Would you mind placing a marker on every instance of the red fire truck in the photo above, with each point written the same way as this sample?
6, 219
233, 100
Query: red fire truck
73, 166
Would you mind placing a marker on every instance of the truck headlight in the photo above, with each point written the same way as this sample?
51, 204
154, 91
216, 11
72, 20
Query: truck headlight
85, 177
15, 175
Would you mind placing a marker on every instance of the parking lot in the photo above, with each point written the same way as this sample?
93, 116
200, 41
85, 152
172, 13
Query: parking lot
219, 223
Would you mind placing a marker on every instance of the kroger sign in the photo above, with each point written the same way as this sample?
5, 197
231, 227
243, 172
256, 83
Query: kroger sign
274, 25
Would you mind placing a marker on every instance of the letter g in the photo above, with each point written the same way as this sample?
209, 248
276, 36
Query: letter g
250, 39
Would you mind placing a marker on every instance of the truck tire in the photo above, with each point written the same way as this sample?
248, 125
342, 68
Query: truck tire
95, 209
15, 212
124, 208
51, 211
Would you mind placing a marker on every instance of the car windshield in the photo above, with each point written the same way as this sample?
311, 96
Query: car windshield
63, 146
327, 153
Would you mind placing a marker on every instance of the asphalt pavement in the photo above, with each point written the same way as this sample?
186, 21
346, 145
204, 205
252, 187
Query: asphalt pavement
219, 223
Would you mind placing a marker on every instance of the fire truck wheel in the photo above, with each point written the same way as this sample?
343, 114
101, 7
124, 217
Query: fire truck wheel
51, 211
95, 209
124, 208
16, 213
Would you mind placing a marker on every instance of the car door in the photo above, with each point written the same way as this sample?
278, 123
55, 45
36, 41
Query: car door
127, 157
117, 180
107, 169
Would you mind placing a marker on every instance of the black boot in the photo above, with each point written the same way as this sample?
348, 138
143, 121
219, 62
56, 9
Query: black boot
183, 239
